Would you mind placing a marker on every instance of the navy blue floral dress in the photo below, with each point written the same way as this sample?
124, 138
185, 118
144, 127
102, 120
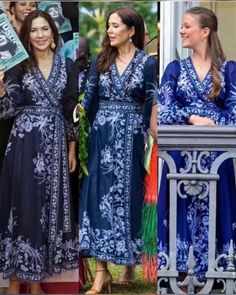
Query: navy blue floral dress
112, 194
180, 95
37, 235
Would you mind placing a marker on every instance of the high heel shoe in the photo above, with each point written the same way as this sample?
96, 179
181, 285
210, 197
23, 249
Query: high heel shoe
107, 282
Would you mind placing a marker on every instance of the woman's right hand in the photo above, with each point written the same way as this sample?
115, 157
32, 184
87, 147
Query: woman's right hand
197, 120
2, 91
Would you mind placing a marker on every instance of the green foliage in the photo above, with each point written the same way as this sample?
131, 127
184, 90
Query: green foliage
92, 20
83, 142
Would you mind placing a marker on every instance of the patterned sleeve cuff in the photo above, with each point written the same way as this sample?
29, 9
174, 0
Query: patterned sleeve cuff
7, 108
185, 118
71, 131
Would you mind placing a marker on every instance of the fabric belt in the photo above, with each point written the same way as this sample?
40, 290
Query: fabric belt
42, 110
126, 107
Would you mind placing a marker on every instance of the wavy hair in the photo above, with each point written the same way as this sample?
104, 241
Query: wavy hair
131, 18
207, 19
13, 4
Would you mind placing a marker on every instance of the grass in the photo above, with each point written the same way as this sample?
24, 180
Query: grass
139, 287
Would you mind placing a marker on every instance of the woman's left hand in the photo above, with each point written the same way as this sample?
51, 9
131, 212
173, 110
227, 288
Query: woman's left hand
72, 156
153, 122
198, 120
153, 132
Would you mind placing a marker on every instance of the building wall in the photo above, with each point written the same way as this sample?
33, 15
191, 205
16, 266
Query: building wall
226, 11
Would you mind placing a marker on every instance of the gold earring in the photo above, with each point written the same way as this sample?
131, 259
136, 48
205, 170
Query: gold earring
53, 45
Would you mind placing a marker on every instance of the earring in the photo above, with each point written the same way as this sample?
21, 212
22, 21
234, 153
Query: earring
130, 39
53, 45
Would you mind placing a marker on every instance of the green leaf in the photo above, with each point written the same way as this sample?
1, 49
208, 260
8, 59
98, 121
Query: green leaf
83, 131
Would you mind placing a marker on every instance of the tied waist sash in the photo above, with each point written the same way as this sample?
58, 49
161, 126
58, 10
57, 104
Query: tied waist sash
120, 106
34, 110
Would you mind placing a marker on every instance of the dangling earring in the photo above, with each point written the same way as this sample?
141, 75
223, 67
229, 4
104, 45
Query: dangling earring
130, 39
53, 45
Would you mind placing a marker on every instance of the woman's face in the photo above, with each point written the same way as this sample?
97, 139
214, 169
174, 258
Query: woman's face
41, 34
190, 32
22, 9
118, 33
53, 12
3, 40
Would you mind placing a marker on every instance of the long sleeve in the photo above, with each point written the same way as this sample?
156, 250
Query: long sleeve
10, 103
71, 93
90, 101
150, 77
170, 111
70, 99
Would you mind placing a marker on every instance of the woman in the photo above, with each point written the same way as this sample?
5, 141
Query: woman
198, 90
19, 10
121, 88
37, 235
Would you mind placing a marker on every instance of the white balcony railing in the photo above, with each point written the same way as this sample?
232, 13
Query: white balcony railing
196, 142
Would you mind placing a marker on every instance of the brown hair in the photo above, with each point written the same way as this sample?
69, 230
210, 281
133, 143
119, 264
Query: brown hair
131, 18
13, 4
207, 19
25, 34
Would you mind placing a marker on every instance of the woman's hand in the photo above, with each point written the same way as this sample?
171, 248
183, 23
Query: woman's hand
153, 122
153, 132
197, 120
72, 156
2, 91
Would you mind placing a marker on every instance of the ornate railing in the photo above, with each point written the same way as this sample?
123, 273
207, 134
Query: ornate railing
195, 142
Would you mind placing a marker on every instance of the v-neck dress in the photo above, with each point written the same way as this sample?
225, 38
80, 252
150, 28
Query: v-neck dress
112, 194
37, 235
180, 95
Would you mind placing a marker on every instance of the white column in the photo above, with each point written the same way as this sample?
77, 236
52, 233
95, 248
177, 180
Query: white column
171, 13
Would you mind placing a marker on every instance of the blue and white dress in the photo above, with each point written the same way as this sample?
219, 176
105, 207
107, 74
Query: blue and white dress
180, 95
37, 234
112, 194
